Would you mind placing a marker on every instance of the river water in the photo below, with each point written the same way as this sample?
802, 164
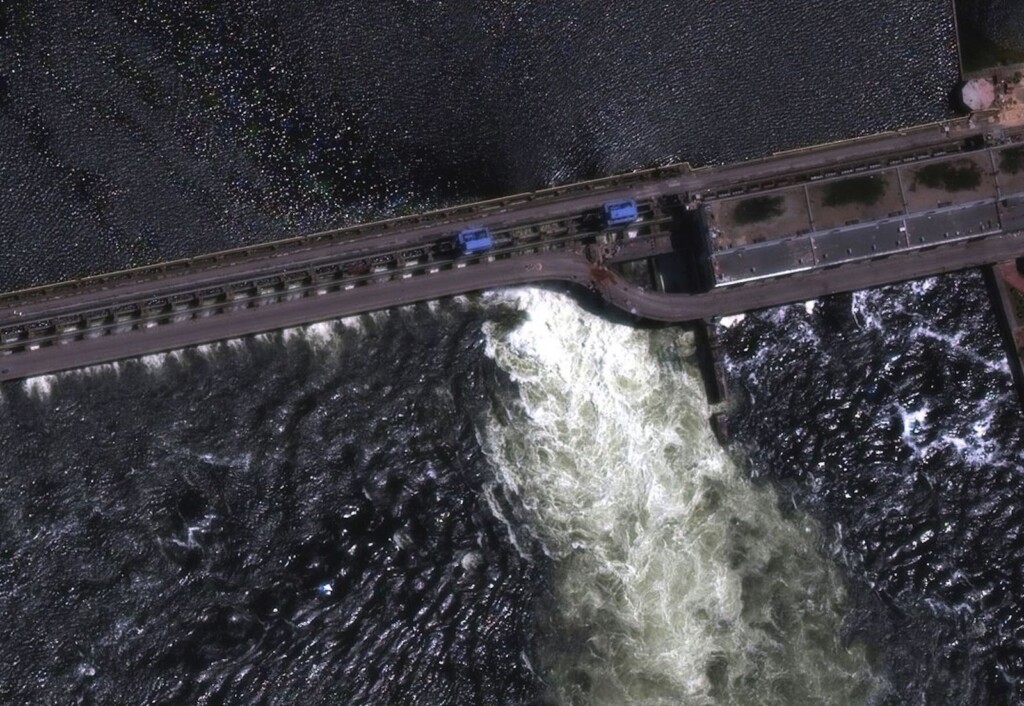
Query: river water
503, 499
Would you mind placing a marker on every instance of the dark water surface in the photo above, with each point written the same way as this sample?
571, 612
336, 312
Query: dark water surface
264, 522
317, 517
130, 135
891, 414
1001, 21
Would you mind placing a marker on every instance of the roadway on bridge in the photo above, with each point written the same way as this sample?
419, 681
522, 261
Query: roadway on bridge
561, 266
293, 257
848, 277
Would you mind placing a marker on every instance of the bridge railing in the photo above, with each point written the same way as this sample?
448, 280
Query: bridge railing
453, 214
233, 255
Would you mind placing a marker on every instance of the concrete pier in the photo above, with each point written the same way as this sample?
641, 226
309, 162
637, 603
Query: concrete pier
1006, 281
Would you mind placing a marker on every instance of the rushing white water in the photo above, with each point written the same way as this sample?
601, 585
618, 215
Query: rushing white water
677, 580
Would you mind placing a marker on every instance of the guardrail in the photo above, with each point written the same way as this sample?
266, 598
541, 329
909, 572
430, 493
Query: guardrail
435, 217
106, 316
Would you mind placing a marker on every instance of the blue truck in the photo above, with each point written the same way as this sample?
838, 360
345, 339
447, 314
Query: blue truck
620, 213
474, 240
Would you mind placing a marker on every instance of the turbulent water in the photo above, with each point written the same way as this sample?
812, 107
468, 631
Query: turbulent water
499, 500
285, 518
892, 415
675, 580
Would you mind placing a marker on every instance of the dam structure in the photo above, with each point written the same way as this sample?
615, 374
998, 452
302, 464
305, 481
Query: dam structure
694, 244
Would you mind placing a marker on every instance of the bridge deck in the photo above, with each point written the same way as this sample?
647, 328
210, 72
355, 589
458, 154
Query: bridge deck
569, 267
545, 236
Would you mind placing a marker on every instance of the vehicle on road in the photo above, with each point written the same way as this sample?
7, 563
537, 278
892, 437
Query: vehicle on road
620, 213
471, 241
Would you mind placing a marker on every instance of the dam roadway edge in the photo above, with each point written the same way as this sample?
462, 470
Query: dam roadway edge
569, 267
552, 235
507, 211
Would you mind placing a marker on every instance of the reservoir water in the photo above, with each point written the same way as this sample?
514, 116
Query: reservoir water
505, 499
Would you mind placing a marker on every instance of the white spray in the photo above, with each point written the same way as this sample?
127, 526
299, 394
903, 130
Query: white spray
677, 580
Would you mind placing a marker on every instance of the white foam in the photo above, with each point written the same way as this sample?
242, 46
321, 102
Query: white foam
379, 317
113, 368
194, 533
40, 386
241, 462
955, 344
923, 286
864, 311
668, 560
971, 444
810, 305
912, 420
207, 350
496, 510
354, 323
730, 321
155, 361
318, 335
956, 442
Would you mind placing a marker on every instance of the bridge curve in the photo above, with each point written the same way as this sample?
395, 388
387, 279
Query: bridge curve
848, 277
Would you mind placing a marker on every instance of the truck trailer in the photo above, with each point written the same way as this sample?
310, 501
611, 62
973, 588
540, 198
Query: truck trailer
472, 241
620, 213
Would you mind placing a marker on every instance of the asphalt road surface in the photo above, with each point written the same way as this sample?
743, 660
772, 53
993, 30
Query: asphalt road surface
291, 257
566, 266
559, 266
